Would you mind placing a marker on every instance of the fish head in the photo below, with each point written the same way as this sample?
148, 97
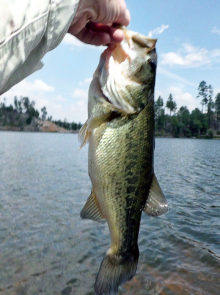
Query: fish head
127, 72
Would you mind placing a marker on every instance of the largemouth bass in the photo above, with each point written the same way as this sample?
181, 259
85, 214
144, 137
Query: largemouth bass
120, 132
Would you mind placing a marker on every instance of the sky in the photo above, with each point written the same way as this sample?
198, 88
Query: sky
188, 48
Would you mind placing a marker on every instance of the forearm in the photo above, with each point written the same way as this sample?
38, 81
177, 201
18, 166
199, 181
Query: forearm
29, 29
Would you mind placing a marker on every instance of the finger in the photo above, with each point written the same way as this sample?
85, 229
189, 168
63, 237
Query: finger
94, 37
123, 18
114, 32
114, 11
117, 35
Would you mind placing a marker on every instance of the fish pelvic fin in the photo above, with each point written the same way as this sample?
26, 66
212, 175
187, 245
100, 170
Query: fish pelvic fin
115, 269
91, 209
156, 204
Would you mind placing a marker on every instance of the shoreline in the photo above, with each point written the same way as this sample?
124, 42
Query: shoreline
65, 131
38, 126
39, 131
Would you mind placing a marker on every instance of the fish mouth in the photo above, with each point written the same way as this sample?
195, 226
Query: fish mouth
114, 53
117, 52
120, 70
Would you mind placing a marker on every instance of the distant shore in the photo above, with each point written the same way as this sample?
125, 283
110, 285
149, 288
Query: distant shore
39, 126
50, 127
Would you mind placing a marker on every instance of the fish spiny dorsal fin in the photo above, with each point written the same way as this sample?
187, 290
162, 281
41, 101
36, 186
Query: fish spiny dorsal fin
91, 209
156, 204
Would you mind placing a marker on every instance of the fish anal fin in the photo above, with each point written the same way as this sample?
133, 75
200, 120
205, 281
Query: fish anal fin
91, 209
156, 203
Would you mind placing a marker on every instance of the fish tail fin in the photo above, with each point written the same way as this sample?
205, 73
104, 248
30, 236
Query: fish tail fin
115, 269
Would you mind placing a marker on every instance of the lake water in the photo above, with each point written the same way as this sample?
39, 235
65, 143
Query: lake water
45, 248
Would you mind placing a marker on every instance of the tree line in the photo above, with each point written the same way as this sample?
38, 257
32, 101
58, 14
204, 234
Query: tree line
183, 123
23, 112
177, 123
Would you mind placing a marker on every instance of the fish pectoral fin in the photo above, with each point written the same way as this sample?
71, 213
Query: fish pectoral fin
91, 209
86, 130
84, 134
102, 113
156, 204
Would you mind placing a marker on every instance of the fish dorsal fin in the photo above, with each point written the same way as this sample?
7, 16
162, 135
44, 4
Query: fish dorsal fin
156, 204
91, 209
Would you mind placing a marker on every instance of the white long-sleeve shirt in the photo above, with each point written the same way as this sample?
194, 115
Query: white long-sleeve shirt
28, 30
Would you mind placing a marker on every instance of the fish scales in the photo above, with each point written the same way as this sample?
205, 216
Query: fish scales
120, 132
128, 156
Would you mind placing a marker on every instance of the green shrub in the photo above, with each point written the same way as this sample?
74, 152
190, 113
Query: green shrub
209, 133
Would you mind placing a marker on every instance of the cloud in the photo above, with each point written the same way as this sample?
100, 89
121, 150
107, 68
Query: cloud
43, 94
158, 30
80, 105
73, 41
181, 97
190, 56
173, 76
25, 88
80, 93
73, 107
37, 90
215, 30
32, 89
216, 91
85, 82
40, 85
215, 53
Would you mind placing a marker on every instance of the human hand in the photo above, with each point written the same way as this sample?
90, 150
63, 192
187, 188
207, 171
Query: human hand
97, 21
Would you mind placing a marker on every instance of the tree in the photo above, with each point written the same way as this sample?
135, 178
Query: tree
184, 115
3, 104
203, 93
44, 113
184, 121
158, 106
20, 107
26, 103
198, 122
171, 104
217, 106
176, 126
159, 114
16, 104
210, 104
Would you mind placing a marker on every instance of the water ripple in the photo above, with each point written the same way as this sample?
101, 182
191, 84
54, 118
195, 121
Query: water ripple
47, 249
